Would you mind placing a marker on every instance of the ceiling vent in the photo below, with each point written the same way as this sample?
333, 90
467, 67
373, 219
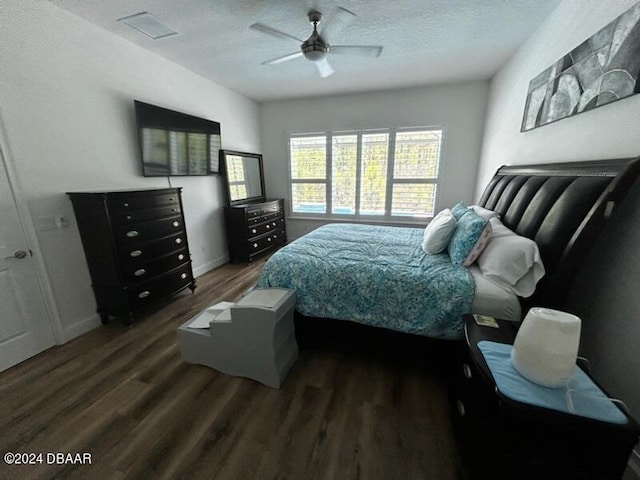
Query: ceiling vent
146, 23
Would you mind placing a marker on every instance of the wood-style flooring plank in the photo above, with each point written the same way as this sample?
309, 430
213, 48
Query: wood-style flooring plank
123, 394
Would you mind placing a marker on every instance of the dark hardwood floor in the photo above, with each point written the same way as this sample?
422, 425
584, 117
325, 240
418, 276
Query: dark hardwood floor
123, 395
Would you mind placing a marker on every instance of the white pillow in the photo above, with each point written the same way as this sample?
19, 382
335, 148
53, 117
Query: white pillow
499, 229
484, 212
511, 261
438, 233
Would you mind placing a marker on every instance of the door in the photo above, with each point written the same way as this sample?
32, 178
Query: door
25, 327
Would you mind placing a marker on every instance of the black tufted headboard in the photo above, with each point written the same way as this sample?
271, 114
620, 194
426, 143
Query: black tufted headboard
563, 207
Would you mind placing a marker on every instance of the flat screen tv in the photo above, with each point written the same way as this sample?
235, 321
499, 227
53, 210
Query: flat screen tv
176, 144
244, 178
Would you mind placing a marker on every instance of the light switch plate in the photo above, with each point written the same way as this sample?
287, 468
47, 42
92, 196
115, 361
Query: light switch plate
46, 223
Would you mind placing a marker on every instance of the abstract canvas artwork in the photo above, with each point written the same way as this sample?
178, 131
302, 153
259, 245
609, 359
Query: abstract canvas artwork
603, 69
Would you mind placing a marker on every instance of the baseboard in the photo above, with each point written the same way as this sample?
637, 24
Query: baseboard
88, 324
81, 327
216, 262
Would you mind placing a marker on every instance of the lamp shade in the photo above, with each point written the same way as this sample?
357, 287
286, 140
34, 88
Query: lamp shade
546, 346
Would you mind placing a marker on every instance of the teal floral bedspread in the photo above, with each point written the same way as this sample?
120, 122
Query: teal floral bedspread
374, 275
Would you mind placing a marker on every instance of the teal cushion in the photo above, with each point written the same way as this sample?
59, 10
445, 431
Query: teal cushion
469, 230
458, 210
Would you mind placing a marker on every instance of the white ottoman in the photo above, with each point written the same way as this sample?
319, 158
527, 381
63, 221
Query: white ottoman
255, 338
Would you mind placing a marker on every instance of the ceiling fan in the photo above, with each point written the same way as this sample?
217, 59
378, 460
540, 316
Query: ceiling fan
317, 47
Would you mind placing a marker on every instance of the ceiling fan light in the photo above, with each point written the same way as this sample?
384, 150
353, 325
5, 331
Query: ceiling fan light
314, 55
314, 50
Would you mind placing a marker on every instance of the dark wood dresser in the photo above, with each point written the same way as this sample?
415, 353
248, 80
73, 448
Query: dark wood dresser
136, 247
254, 228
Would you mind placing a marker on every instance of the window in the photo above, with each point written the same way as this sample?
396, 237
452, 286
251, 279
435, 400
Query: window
376, 174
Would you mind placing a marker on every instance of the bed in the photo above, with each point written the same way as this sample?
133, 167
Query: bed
379, 275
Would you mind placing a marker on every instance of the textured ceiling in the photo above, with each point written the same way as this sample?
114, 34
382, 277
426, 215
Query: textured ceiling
425, 41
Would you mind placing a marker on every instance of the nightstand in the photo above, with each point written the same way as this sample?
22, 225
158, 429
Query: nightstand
501, 438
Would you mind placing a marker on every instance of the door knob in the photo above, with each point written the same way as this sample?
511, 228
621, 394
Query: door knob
19, 254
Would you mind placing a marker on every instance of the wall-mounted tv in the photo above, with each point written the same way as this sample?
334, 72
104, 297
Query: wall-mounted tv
176, 144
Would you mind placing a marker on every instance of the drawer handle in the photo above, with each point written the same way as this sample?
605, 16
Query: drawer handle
136, 253
269, 239
181, 257
461, 410
255, 245
274, 223
129, 217
133, 233
253, 230
125, 204
268, 227
183, 276
275, 236
466, 369
171, 199
140, 272
144, 294
178, 240
176, 223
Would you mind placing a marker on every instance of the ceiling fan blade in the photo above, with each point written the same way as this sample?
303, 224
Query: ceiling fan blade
259, 27
340, 20
324, 67
284, 58
362, 50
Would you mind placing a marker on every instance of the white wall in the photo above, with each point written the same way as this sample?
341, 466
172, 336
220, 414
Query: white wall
459, 108
67, 109
609, 131
604, 293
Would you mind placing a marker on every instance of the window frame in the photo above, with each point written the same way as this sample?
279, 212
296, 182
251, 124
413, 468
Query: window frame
327, 181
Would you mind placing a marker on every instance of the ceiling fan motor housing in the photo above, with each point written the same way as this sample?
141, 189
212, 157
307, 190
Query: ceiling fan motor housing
314, 48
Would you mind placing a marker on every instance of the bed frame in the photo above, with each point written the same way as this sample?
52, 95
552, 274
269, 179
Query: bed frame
561, 206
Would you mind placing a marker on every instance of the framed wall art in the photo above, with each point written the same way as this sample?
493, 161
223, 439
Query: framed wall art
601, 70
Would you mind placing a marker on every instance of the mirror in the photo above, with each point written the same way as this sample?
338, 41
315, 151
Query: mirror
244, 177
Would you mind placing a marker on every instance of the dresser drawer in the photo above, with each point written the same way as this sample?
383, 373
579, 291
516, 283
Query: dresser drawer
153, 290
263, 218
135, 273
143, 253
265, 227
128, 203
143, 232
263, 209
135, 216
266, 241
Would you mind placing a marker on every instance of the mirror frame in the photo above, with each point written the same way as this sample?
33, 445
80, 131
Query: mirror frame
223, 168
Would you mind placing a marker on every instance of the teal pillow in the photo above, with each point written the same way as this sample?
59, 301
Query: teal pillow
458, 210
470, 230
